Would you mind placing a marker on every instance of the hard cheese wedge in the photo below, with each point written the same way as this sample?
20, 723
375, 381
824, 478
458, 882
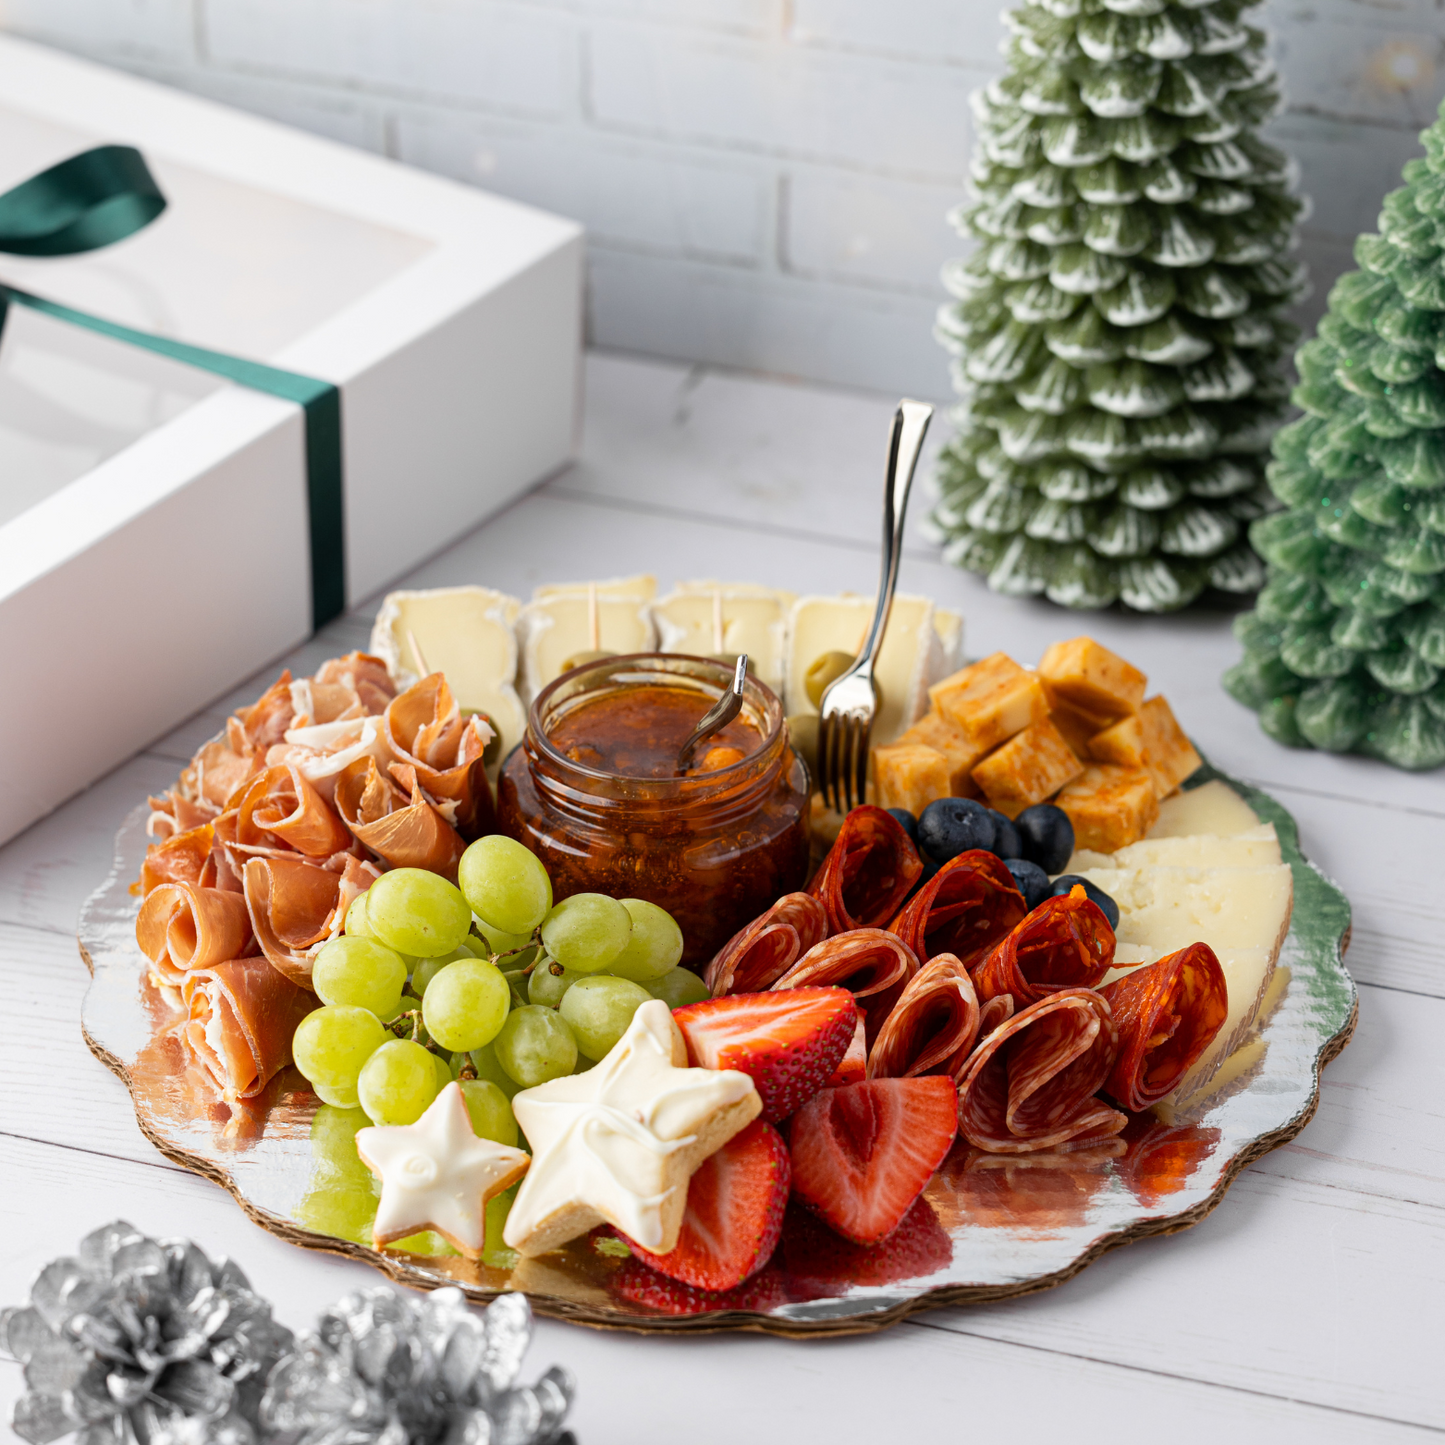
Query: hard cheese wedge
751, 619
556, 626
1257, 847
1210, 808
466, 633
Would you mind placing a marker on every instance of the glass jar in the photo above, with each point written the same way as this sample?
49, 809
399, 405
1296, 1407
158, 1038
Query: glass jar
714, 848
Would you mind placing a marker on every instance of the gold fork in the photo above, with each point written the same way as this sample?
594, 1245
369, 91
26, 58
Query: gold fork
849, 706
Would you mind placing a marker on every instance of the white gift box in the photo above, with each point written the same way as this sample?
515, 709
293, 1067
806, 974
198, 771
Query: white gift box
153, 523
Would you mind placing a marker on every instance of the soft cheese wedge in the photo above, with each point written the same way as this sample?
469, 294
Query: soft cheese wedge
750, 619
468, 634
557, 625
911, 660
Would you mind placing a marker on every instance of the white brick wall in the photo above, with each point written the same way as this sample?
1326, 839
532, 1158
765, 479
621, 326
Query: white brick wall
764, 181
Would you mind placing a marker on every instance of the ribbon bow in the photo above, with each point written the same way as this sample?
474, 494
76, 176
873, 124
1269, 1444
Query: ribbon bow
103, 195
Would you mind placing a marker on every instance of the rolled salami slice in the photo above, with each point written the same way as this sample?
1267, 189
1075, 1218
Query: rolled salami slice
964, 909
872, 965
1031, 1083
295, 907
240, 1016
1168, 1014
757, 956
280, 805
1063, 943
933, 1025
425, 728
181, 927
398, 824
868, 872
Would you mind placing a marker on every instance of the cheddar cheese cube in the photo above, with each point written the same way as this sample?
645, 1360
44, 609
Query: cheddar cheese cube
909, 775
1170, 755
1110, 806
1092, 678
1028, 768
935, 731
1122, 743
990, 701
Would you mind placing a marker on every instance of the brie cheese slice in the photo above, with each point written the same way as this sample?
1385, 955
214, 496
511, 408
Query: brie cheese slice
751, 619
556, 625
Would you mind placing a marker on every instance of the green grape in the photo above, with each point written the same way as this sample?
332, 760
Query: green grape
332, 1043
495, 1252
535, 1045
417, 912
355, 924
654, 946
516, 987
677, 987
339, 1096
485, 1062
405, 1004
427, 969
498, 940
599, 1010
491, 1112
476, 945
548, 981
586, 931
443, 1066
466, 1004
397, 1083
361, 972
505, 883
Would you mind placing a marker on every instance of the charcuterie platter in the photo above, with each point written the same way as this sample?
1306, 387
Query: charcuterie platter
1058, 990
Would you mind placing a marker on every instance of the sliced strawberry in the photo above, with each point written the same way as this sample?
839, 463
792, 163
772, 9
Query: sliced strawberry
640, 1285
854, 1068
788, 1041
864, 1152
735, 1204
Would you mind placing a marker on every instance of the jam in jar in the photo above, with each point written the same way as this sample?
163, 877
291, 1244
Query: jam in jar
594, 791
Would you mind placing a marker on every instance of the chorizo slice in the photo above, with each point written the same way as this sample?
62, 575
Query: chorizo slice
757, 956
868, 872
964, 909
1064, 943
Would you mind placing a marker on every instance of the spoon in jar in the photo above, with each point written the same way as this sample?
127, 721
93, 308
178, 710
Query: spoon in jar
718, 716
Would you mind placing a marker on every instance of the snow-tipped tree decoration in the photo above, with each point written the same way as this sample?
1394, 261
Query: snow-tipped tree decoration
1345, 649
1118, 330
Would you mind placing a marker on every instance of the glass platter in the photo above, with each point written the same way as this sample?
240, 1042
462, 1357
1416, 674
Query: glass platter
999, 1225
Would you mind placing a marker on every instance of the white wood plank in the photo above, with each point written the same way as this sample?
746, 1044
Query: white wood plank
633, 1388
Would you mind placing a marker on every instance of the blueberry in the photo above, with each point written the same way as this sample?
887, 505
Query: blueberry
1032, 881
1006, 840
1047, 835
906, 821
952, 826
1107, 906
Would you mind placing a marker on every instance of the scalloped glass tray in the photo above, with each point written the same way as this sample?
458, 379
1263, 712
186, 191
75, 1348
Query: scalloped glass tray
1001, 1226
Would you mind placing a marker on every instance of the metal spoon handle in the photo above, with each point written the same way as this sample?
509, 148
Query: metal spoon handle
910, 426
718, 716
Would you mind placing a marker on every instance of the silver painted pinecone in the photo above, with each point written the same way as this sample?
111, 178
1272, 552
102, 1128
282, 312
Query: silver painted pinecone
387, 1369
138, 1341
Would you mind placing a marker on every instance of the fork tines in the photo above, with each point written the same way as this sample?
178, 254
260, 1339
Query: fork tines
843, 755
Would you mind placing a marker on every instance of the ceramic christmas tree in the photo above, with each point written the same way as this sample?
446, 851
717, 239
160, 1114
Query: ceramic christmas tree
1346, 646
1118, 331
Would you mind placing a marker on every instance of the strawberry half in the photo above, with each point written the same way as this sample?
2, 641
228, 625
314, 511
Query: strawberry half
735, 1204
864, 1152
788, 1041
854, 1068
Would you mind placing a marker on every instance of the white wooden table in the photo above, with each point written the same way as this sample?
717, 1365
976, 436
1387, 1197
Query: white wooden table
1309, 1307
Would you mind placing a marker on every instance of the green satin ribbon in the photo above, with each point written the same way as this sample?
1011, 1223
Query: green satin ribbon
104, 195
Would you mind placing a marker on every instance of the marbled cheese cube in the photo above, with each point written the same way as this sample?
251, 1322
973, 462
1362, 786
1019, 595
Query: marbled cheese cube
1093, 678
1122, 743
990, 701
1110, 806
1028, 768
1169, 755
935, 731
909, 775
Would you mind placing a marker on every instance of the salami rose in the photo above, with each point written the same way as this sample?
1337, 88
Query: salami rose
934, 1025
1063, 943
868, 872
1168, 1014
964, 909
872, 965
1031, 1084
757, 956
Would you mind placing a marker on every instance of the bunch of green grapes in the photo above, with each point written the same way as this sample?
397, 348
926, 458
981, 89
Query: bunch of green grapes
488, 983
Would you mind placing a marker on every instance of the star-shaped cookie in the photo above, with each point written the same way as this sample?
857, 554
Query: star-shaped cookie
618, 1144
436, 1174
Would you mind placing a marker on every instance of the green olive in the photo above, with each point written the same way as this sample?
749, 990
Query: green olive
826, 670
803, 734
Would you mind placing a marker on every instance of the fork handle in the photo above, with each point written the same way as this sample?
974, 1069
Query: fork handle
910, 425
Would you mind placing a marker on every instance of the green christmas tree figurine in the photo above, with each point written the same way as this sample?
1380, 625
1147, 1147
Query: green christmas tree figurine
1118, 331
1346, 646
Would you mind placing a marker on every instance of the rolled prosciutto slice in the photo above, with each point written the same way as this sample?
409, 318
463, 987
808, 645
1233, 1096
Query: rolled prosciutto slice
296, 906
280, 805
1031, 1083
757, 956
868, 872
964, 909
240, 1016
1168, 1014
181, 927
398, 824
935, 1024
872, 965
1063, 943
425, 728
182, 858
